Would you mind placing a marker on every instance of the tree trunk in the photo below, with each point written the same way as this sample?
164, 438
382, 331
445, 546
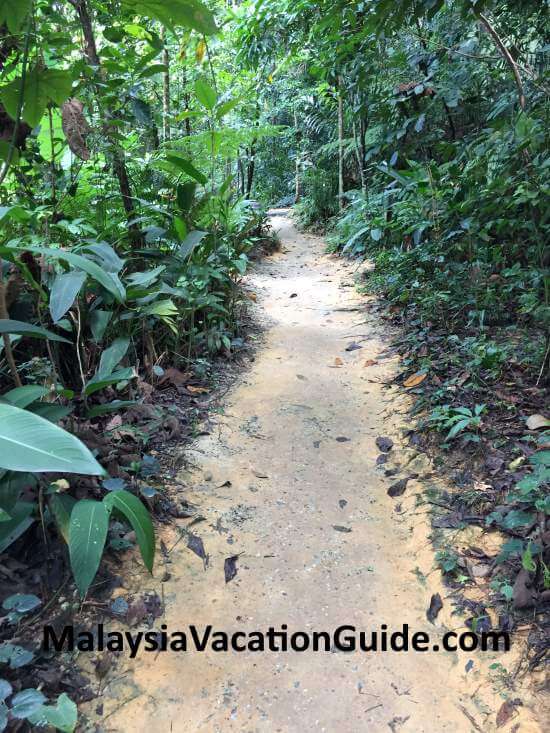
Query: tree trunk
499, 43
165, 90
297, 177
340, 146
119, 163
251, 165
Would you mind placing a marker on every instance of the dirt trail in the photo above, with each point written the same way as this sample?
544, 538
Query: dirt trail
297, 440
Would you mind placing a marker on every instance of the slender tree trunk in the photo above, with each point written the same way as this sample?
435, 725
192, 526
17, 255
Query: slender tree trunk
499, 43
119, 163
363, 124
186, 100
297, 177
5, 336
250, 168
340, 145
165, 90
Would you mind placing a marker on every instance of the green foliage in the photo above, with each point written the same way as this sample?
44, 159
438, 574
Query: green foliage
31, 443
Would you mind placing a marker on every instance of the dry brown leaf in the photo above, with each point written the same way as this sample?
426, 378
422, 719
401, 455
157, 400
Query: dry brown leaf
338, 362
174, 376
534, 422
462, 378
505, 712
76, 127
414, 380
196, 390
370, 362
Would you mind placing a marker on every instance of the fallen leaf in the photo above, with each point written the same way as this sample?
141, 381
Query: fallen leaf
436, 604
462, 378
534, 422
338, 362
370, 362
196, 390
505, 712
114, 422
230, 567
414, 380
195, 544
174, 376
103, 664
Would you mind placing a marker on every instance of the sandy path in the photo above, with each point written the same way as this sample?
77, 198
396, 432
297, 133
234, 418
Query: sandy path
284, 421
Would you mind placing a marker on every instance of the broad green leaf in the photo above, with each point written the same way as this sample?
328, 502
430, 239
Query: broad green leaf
23, 396
61, 506
146, 278
206, 94
11, 485
64, 290
63, 717
41, 86
112, 356
161, 308
14, 655
31, 443
376, 234
172, 13
17, 213
26, 703
99, 320
109, 280
5, 689
87, 535
20, 521
180, 227
186, 166
185, 193
108, 258
226, 107
138, 516
190, 242
457, 428
51, 410
120, 375
113, 406
13, 13
29, 329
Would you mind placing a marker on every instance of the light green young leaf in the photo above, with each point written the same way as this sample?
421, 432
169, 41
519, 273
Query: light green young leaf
205, 94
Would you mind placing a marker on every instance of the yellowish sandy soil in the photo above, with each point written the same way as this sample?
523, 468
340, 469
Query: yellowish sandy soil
277, 443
